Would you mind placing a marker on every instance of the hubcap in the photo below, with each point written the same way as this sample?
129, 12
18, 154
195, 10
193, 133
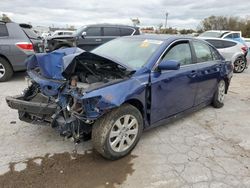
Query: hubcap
239, 65
2, 70
123, 133
221, 92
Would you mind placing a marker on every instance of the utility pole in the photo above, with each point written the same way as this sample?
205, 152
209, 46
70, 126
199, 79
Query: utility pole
166, 21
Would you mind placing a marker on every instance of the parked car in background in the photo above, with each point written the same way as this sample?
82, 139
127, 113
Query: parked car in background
90, 36
122, 87
232, 51
62, 33
17, 42
247, 41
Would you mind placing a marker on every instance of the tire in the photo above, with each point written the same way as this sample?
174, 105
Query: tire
106, 131
240, 64
218, 100
6, 70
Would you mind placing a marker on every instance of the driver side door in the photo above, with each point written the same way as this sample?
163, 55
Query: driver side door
173, 91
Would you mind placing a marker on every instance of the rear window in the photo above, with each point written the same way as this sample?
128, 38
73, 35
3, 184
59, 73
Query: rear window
126, 31
228, 44
3, 30
30, 33
216, 43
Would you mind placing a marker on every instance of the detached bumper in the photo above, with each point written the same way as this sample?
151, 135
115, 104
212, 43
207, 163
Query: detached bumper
36, 108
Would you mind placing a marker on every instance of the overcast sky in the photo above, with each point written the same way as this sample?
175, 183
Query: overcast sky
182, 13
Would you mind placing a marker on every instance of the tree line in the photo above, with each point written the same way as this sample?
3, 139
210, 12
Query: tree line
215, 23
226, 23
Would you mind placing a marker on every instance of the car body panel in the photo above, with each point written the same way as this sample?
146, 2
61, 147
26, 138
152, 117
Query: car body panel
158, 95
10, 51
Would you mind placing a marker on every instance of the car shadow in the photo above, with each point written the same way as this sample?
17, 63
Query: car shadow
17, 76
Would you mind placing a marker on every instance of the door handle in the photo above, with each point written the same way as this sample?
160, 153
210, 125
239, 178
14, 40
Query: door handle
98, 40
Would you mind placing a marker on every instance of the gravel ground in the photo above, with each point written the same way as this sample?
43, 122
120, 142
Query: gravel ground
209, 148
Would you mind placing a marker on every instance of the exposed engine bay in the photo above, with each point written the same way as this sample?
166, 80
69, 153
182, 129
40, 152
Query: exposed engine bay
64, 103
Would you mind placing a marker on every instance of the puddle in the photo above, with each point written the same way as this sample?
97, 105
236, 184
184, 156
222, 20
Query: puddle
63, 170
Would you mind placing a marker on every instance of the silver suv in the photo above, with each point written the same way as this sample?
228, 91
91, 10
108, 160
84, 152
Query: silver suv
17, 42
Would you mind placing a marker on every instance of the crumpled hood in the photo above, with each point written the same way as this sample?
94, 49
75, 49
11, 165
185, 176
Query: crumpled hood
60, 64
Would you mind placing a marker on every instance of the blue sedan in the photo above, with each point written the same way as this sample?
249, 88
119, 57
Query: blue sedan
121, 88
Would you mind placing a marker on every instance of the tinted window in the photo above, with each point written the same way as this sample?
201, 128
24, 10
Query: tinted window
93, 31
111, 31
216, 43
236, 35
3, 30
126, 31
230, 36
181, 53
202, 52
228, 44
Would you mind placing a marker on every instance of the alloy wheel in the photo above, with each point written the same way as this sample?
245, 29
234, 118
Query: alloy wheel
239, 65
221, 91
2, 70
123, 133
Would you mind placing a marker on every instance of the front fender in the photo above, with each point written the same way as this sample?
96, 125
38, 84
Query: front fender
98, 102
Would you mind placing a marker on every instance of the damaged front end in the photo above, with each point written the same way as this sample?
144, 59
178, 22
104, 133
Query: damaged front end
69, 90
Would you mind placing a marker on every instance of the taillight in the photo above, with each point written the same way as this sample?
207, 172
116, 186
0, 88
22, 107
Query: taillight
244, 49
25, 46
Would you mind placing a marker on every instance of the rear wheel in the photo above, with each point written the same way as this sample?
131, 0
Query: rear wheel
116, 133
6, 70
240, 65
219, 96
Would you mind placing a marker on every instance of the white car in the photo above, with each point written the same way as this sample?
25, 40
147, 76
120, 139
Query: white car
62, 32
224, 34
232, 51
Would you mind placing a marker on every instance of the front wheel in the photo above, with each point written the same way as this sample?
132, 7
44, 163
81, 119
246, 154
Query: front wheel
240, 65
115, 134
218, 100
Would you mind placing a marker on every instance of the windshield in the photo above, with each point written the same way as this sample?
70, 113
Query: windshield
129, 51
211, 34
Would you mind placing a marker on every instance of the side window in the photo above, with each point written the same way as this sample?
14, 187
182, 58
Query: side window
180, 52
93, 31
228, 44
126, 31
111, 31
236, 35
3, 30
203, 52
215, 54
216, 43
230, 36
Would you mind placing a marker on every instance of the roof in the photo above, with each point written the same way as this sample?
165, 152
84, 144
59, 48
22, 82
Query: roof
110, 25
162, 37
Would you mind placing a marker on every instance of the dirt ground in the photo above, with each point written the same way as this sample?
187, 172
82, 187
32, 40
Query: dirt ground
209, 148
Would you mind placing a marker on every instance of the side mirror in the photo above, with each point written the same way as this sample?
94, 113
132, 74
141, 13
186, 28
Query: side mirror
84, 34
169, 65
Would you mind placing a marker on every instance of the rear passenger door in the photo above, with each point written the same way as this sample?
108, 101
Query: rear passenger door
91, 40
110, 33
208, 71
